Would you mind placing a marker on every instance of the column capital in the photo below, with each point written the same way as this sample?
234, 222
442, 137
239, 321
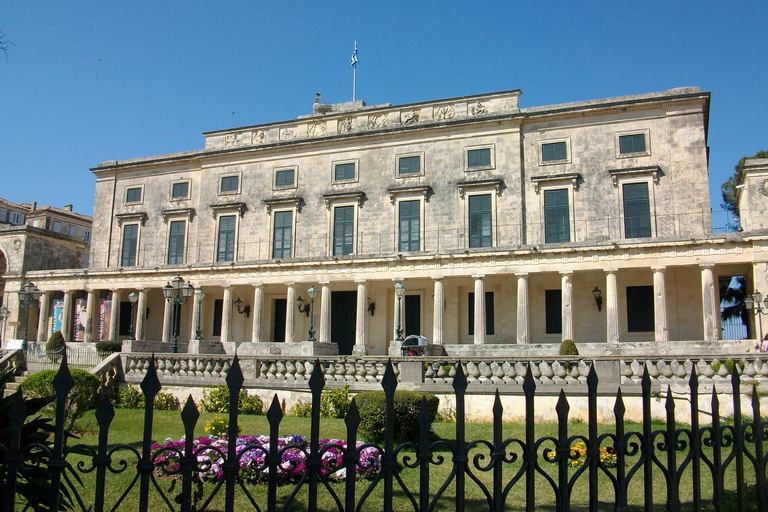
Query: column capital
521, 274
709, 266
324, 282
611, 271
361, 281
659, 269
566, 273
257, 284
290, 283
438, 278
478, 276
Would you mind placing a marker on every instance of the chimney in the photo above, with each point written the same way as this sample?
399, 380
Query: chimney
67, 207
33, 206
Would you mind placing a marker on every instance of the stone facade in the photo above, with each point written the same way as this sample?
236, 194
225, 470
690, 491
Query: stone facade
502, 222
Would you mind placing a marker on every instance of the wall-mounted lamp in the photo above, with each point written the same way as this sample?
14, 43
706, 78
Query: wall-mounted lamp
303, 308
598, 298
243, 311
371, 306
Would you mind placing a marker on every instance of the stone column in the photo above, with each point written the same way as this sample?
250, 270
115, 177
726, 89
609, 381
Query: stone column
226, 315
258, 312
325, 313
612, 306
479, 310
114, 321
523, 326
66, 315
660, 304
567, 304
439, 312
708, 302
45, 312
361, 320
290, 313
141, 315
398, 305
193, 325
167, 321
91, 307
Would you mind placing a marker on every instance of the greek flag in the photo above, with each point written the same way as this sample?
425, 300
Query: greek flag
353, 60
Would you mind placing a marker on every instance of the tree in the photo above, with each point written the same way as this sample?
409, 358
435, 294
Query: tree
4, 43
730, 201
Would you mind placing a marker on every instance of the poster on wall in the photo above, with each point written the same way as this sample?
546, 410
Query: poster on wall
81, 314
105, 316
57, 309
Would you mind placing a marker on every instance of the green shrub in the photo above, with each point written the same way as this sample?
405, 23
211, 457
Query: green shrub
217, 400
302, 409
55, 342
372, 408
219, 426
104, 348
166, 402
334, 403
81, 398
568, 348
129, 397
729, 365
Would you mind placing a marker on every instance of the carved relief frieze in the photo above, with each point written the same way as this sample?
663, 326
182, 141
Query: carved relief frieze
764, 187
478, 109
316, 129
287, 133
344, 125
444, 112
411, 117
232, 140
259, 137
378, 120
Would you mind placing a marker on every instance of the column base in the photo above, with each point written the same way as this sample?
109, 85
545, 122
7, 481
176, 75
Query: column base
359, 350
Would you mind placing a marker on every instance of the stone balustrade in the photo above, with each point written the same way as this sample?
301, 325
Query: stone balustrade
483, 374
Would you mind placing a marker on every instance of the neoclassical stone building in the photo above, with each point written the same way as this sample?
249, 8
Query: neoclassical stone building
507, 226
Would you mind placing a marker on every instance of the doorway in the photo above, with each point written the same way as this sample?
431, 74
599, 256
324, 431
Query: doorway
279, 326
412, 314
343, 320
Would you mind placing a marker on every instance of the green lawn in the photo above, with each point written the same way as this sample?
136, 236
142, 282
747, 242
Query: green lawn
127, 429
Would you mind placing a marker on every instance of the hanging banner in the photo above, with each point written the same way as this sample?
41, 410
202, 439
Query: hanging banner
57, 309
105, 317
80, 319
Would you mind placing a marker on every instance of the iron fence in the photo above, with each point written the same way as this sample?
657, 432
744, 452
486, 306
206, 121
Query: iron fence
692, 460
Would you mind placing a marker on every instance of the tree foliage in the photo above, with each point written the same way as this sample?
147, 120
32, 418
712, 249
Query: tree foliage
730, 202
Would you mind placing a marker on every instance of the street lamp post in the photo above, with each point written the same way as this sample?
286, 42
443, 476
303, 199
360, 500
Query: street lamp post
133, 297
28, 295
199, 296
312, 293
399, 292
4, 314
177, 293
757, 307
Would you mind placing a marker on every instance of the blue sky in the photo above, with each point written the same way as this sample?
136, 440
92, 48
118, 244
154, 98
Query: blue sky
89, 81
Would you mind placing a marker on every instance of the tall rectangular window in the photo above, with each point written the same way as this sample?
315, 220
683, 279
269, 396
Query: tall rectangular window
284, 178
640, 314
557, 222
130, 243
489, 327
343, 230
226, 243
637, 210
218, 314
281, 240
479, 157
554, 311
133, 195
553, 152
57, 226
176, 242
409, 165
410, 226
180, 190
230, 183
72, 230
480, 221
16, 218
632, 143
344, 172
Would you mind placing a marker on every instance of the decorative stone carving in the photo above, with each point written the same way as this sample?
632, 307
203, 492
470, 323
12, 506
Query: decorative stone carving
259, 137
232, 140
344, 125
764, 187
411, 117
444, 112
287, 133
478, 109
378, 120
316, 129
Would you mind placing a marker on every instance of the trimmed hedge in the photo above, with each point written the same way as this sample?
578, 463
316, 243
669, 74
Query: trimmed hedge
55, 342
105, 348
81, 398
568, 348
372, 408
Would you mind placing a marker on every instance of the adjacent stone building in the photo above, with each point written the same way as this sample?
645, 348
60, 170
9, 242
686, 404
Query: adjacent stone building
507, 226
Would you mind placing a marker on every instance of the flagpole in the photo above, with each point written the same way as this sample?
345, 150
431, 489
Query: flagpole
354, 72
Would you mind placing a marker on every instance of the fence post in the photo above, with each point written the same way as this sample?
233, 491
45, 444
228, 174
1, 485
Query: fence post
620, 449
351, 455
62, 384
647, 445
529, 458
460, 459
594, 445
231, 465
316, 385
14, 458
563, 453
389, 464
104, 416
695, 453
150, 386
497, 455
189, 417
738, 436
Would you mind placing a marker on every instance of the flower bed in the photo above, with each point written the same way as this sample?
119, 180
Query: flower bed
251, 452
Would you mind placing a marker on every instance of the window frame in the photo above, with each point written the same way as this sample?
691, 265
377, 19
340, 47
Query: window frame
415, 154
617, 141
292, 234
564, 140
57, 226
237, 175
420, 229
169, 235
569, 190
72, 230
353, 223
492, 154
16, 218
491, 211
354, 161
295, 182
136, 244
180, 198
134, 187
651, 209
218, 237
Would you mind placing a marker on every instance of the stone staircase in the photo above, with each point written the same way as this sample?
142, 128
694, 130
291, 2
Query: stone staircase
12, 386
